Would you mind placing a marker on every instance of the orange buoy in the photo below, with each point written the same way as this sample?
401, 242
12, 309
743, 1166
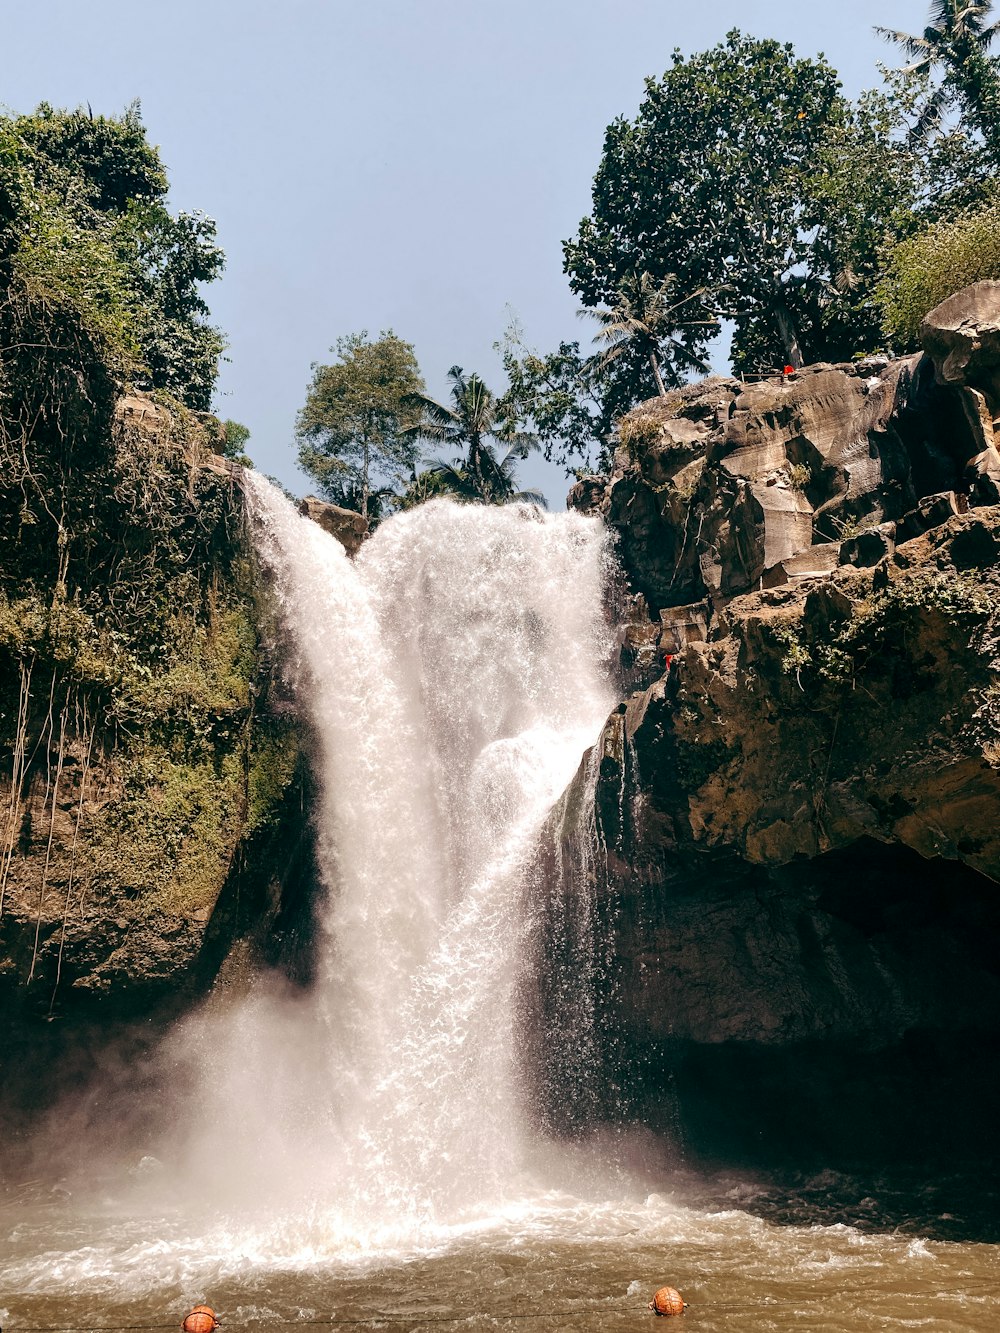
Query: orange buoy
668, 1300
202, 1319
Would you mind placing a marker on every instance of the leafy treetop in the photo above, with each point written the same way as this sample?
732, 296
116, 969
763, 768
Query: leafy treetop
707, 185
84, 224
478, 471
352, 429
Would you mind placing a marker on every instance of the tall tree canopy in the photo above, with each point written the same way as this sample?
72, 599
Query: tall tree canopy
718, 182
353, 428
641, 324
100, 288
84, 225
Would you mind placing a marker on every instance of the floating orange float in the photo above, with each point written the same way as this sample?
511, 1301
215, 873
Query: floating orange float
202, 1319
668, 1300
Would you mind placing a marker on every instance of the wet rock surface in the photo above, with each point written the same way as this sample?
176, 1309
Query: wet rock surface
349, 528
795, 900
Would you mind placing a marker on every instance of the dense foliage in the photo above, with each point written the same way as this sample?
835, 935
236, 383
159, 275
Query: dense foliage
479, 470
86, 234
352, 429
129, 653
710, 187
748, 189
928, 267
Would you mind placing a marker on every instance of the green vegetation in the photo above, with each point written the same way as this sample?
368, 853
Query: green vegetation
479, 472
642, 322
89, 250
569, 402
878, 629
956, 41
130, 666
366, 416
928, 267
354, 422
711, 186
749, 188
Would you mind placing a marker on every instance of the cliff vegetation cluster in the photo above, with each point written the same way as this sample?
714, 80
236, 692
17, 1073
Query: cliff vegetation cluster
142, 760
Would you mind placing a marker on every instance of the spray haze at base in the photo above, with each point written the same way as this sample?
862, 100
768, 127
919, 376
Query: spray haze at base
453, 676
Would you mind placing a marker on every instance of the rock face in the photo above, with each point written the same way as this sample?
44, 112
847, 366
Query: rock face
723, 486
151, 828
793, 910
962, 336
349, 528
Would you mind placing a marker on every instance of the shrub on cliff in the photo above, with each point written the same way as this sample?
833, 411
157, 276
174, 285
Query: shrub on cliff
926, 269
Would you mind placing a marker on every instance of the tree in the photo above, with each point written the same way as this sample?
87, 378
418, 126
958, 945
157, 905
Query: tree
957, 41
569, 406
95, 275
82, 206
353, 426
709, 184
642, 322
477, 472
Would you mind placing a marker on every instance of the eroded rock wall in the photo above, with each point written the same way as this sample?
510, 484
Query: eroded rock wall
793, 901
154, 781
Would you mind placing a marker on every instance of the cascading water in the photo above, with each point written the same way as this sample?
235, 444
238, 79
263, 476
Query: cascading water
454, 675
359, 1153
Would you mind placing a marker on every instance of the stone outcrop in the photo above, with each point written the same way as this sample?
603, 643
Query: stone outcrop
726, 486
796, 882
962, 337
349, 528
795, 895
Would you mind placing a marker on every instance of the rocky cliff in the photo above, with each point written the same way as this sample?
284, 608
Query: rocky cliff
151, 799
794, 905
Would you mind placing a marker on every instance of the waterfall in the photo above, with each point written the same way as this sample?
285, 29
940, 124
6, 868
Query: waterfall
453, 675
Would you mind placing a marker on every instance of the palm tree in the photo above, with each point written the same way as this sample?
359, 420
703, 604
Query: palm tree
956, 40
477, 472
642, 320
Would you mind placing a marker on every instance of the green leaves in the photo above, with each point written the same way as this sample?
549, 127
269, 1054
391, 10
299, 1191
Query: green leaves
479, 472
927, 268
84, 227
956, 42
352, 428
723, 185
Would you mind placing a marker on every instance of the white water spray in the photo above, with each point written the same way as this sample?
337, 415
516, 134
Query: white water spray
454, 675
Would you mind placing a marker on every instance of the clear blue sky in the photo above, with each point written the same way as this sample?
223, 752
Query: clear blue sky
411, 164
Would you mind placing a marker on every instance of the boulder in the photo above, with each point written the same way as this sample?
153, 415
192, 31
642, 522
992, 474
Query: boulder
349, 528
962, 337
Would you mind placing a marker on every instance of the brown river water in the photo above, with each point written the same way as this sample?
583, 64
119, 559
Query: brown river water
548, 1261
